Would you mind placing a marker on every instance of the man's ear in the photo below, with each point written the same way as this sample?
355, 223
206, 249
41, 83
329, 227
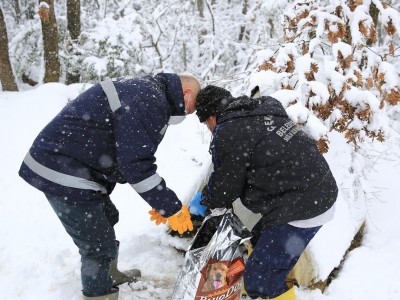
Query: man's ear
187, 90
212, 119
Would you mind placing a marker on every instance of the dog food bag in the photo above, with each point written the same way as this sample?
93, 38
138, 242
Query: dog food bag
213, 266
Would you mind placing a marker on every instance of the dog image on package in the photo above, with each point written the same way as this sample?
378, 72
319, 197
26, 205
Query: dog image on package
221, 280
215, 277
214, 263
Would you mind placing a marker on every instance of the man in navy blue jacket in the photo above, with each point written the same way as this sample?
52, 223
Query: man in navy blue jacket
107, 135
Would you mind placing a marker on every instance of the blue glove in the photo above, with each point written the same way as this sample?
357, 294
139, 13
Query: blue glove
195, 207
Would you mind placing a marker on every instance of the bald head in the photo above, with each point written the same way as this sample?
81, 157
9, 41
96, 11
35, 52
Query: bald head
190, 88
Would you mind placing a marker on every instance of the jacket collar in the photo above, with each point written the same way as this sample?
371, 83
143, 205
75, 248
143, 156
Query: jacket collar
248, 107
173, 90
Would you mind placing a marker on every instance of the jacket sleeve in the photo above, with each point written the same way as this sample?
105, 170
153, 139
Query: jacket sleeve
227, 181
137, 135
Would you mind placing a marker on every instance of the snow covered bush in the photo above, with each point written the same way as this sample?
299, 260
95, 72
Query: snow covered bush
332, 72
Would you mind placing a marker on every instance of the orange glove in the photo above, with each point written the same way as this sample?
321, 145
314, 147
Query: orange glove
181, 221
155, 215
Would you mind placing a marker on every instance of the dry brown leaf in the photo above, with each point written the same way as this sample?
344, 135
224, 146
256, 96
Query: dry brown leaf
310, 76
394, 97
350, 111
43, 13
370, 83
290, 66
391, 48
330, 89
381, 137
339, 11
322, 145
340, 57
352, 5
267, 66
349, 59
303, 15
372, 33
323, 111
304, 48
341, 124
375, 72
333, 37
315, 67
344, 63
363, 29
359, 78
342, 30
365, 114
351, 135
326, 24
390, 29
314, 19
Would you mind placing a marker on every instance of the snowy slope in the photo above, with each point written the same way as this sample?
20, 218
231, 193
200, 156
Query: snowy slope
39, 261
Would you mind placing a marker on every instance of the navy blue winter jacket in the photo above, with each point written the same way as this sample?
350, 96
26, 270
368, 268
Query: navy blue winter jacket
263, 158
107, 135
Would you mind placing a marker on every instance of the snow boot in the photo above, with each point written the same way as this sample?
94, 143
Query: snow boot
119, 277
113, 295
288, 295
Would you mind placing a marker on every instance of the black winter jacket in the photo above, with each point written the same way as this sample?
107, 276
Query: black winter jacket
263, 158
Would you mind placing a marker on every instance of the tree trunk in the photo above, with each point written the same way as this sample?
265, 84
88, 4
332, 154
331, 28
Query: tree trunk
243, 28
203, 32
17, 10
200, 7
374, 13
74, 28
74, 18
6, 75
30, 10
50, 41
184, 55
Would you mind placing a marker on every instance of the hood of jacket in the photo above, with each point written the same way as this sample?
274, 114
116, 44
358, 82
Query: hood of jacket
245, 106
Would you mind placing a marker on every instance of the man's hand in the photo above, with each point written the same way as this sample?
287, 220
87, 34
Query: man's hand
181, 221
195, 207
156, 216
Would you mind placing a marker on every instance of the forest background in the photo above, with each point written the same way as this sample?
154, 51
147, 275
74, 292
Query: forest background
333, 64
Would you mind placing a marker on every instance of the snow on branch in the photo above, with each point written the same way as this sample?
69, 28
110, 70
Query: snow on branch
332, 73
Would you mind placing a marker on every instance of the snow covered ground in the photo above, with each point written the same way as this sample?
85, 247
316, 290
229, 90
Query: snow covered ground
38, 260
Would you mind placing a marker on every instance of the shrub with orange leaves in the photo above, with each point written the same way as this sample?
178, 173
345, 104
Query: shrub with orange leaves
334, 68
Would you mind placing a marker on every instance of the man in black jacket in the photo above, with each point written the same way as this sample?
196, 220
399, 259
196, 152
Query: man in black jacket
263, 158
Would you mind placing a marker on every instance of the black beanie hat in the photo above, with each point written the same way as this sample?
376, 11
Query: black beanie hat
208, 100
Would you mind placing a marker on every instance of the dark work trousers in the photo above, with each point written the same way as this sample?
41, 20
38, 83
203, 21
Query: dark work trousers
91, 229
275, 252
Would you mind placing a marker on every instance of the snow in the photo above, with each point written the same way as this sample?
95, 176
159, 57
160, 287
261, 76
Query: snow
39, 260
